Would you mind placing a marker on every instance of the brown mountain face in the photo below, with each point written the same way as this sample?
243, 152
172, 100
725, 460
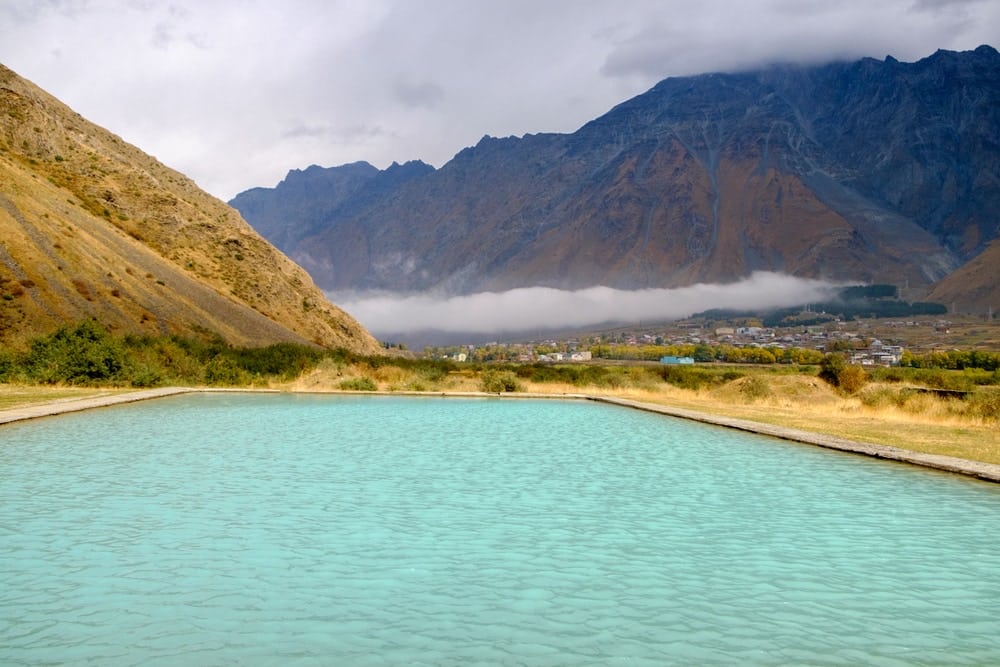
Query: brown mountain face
91, 227
871, 171
976, 282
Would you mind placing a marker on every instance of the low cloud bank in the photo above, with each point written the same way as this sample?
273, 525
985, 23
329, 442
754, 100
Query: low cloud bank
538, 308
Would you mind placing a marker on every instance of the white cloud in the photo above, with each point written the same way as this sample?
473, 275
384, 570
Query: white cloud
536, 308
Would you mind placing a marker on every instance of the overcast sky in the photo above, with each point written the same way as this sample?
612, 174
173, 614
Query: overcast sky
234, 93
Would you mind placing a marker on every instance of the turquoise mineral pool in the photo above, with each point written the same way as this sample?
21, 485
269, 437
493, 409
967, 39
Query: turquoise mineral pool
242, 529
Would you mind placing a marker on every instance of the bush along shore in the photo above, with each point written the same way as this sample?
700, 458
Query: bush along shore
943, 410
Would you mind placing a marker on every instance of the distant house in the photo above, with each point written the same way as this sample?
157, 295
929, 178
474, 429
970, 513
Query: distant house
672, 360
878, 354
725, 331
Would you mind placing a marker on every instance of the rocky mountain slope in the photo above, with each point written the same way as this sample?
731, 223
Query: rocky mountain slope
91, 227
975, 286
870, 171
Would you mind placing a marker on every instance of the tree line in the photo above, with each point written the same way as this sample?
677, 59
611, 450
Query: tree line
704, 352
85, 353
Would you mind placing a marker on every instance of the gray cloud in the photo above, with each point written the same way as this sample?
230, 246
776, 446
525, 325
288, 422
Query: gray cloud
938, 5
726, 36
169, 33
30, 11
296, 130
535, 308
210, 88
337, 135
416, 95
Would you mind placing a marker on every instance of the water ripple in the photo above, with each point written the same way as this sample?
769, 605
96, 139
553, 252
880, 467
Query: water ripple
226, 529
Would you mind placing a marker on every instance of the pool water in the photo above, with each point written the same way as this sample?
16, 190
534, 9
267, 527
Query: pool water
245, 529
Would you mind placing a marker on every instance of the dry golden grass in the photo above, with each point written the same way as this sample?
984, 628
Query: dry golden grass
16, 396
927, 424
330, 376
934, 431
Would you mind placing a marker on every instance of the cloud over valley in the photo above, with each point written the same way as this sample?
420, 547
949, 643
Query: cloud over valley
544, 308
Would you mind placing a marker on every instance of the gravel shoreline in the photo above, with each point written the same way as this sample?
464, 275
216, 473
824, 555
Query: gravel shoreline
985, 471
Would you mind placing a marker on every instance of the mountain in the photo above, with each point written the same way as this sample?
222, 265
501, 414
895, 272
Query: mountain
975, 282
869, 171
91, 227
317, 194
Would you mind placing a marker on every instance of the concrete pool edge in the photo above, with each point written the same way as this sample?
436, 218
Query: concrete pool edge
984, 471
67, 405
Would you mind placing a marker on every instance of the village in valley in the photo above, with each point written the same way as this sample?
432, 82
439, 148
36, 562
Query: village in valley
869, 325
865, 342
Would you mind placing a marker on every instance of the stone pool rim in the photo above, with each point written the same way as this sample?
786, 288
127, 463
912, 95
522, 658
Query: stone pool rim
989, 472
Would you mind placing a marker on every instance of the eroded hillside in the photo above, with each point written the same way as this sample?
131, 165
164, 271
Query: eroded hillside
90, 226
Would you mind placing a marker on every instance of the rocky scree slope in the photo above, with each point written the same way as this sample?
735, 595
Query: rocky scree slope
91, 227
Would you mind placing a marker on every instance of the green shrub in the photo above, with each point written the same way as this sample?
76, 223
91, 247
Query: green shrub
852, 379
224, 371
938, 378
542, 373
978, 376
156, 361
985, 404
284, 360
598, 376
431, 371
888, 374
849, 378
882, 396
495, 381
359, 384
8, 365
696, 377
84, 353
145, 375
830, 368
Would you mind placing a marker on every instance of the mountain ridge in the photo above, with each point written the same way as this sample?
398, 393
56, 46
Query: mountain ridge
868, 171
